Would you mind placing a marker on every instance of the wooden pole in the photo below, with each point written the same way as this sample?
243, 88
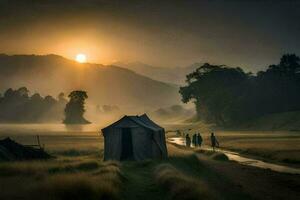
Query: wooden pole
38, 140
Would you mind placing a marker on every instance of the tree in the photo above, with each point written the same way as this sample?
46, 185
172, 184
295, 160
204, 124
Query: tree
61, 97
23, 91
213, 89
74, 110
229, 96
18, 106
291, 63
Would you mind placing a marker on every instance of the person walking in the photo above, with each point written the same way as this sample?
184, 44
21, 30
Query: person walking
214, 141
194, 140
188, 140
199, 140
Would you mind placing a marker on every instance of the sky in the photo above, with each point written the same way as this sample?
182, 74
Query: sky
249, 34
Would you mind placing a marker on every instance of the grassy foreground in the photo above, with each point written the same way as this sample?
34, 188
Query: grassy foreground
184, 175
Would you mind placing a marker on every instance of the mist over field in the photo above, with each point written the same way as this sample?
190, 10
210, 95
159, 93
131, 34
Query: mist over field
111, 89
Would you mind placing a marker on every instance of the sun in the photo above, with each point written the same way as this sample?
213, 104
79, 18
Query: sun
81, 58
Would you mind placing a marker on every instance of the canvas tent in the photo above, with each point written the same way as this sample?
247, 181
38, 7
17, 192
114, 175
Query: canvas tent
134, 138
12, 151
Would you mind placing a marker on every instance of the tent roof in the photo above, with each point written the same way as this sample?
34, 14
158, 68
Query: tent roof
142, 120
149, 122
11, 150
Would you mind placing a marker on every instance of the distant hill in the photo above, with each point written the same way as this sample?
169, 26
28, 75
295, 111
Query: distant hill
106, 85
174, 75
173, 113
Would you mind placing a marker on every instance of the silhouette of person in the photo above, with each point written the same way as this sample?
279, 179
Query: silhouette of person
194, 140
188, 140
214, 141
199, 140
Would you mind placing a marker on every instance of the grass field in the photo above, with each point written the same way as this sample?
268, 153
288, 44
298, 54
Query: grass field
283, 147
279, 150
78, 171
274, 146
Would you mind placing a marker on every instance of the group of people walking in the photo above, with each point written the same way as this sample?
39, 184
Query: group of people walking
197, 140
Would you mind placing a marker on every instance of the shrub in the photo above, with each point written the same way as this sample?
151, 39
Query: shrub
180, 186
219, 156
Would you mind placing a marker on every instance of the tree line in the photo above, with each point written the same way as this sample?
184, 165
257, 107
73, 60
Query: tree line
18, 106
229, 96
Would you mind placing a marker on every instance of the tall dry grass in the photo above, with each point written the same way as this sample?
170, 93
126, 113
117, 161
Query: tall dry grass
79, 186
215, 155
180, 186
87, 179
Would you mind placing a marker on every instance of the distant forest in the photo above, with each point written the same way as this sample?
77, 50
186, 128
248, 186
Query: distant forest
228, 96
18, 106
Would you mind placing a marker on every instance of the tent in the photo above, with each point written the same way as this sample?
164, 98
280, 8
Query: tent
11, 151
134, 138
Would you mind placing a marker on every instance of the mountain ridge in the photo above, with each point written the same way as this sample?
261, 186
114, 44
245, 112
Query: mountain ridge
106, 84
175, 75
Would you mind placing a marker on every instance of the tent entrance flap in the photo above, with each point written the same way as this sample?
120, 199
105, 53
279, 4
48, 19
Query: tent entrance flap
127, 149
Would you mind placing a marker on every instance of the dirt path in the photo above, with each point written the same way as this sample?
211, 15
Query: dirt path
140, 183
257, 183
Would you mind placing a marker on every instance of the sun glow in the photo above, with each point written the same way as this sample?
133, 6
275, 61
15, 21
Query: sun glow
81, 58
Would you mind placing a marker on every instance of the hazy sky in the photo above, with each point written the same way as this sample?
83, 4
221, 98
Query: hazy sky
250, 34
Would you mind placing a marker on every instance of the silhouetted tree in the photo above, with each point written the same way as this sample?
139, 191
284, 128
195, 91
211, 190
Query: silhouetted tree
19, 106
109, 108
228, 96
214, 88
75, 108
61, 97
